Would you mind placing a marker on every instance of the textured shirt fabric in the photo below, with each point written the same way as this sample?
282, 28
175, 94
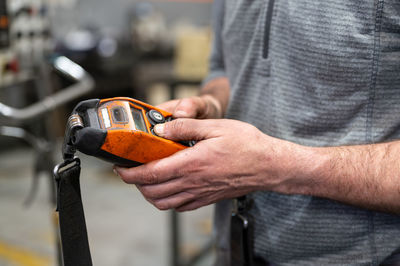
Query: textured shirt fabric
317, 73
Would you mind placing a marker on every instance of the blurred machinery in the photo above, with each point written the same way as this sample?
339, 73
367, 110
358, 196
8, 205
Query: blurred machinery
126, 64
27, 91
24, 39
27, 68
149, 33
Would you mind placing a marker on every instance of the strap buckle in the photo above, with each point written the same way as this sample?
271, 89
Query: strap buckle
242, 204
245, 221
241, 233
60, 168
65, 165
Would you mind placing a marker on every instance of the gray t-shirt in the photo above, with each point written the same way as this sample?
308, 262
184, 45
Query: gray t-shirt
317, 73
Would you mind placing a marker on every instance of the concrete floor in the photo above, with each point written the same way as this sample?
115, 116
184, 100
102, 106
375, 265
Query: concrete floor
123, 228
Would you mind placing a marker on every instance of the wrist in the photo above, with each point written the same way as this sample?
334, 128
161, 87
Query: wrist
311, 170
298, 168
216, 93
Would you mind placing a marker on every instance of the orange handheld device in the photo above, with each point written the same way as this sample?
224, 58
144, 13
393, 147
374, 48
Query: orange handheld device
118, 130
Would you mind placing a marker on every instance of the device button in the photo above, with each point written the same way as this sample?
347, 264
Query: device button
192, 143
156, 117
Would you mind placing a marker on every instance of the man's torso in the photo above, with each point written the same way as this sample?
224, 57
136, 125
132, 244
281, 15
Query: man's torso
327, 73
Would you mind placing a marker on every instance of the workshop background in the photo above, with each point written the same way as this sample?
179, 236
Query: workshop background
55, 53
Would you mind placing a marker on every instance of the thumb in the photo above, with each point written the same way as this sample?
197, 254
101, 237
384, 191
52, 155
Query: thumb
186, 129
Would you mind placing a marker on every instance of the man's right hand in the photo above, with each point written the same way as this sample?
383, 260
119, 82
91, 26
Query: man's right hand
200, 107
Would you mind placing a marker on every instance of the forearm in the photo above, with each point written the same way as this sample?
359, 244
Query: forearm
217, 92
367, 176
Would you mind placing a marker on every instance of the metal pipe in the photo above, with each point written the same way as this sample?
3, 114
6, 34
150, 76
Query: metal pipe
84, 84
175, 259
19, 133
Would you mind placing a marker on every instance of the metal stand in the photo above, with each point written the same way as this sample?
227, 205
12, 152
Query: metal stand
176, 259
83, 84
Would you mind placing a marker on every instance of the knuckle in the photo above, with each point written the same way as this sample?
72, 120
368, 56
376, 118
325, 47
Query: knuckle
186, 105
151, 193
153, 177
162, 206
145, 191
125, 179
177, 174
176, 125
189, 102
150, 200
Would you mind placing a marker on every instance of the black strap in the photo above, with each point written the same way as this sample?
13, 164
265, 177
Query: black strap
74, 239
393, 259
241, 234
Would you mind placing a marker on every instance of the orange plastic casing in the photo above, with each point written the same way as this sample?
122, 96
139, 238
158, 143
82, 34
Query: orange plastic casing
125, 141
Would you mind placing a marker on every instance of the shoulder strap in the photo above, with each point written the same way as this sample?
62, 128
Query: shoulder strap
392, 260
74, 239
241, 233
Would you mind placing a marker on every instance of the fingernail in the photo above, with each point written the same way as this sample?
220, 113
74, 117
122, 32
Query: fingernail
159, 129
180, 113
115, 172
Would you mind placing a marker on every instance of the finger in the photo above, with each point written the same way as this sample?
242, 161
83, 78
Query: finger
149, 173
193, 107
150, 200
188, 129
173, 201
163, 190
155, 172
168, 106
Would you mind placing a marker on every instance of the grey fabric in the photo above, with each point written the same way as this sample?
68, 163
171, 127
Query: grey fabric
216, 65
332, 77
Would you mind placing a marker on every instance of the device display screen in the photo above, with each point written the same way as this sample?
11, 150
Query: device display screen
138, 119
119, 116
